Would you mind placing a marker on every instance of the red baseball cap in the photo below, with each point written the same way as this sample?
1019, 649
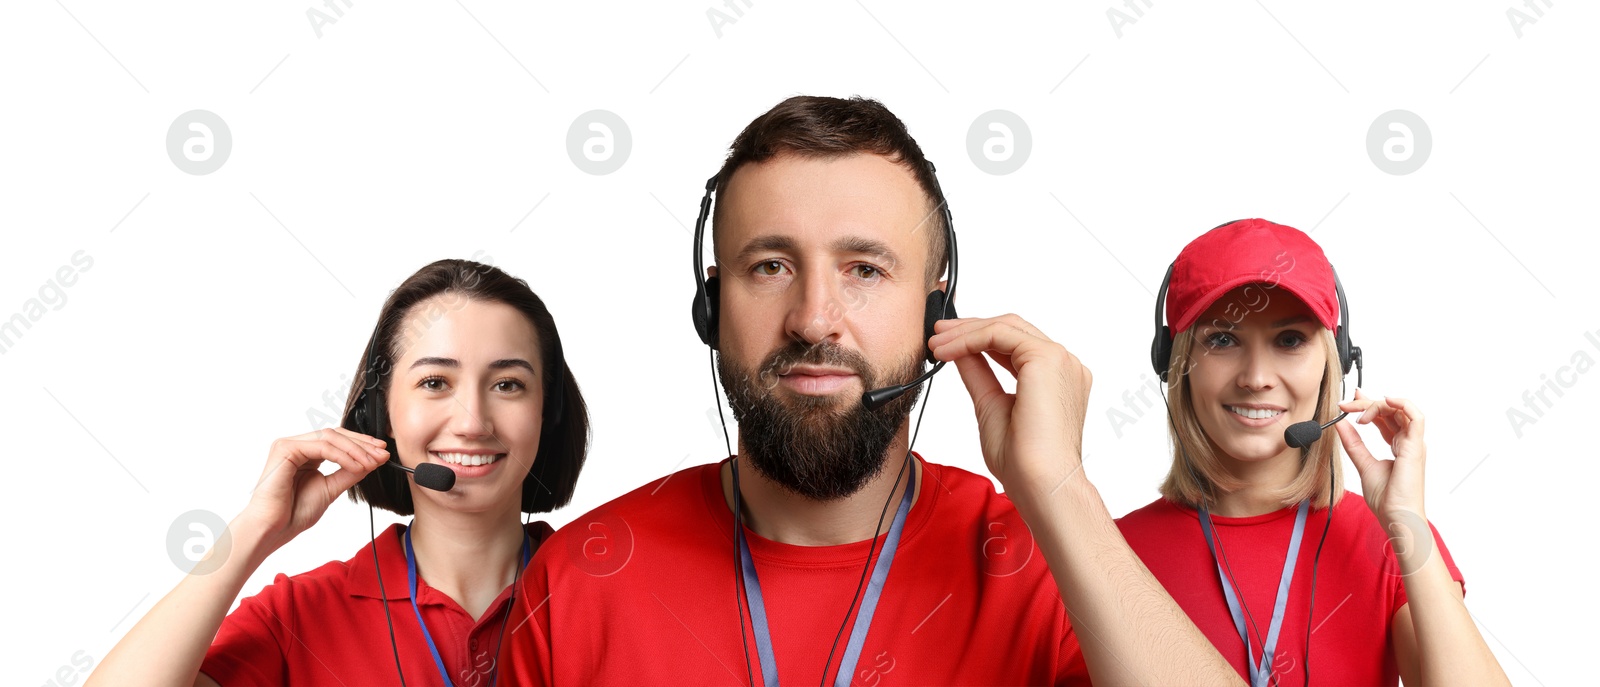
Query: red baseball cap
1250, 251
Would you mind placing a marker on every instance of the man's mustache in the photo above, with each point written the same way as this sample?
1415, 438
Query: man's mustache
796, 354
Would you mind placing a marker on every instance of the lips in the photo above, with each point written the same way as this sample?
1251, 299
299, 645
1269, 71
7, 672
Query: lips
467, 465
1255, 413
816, 384
821, 369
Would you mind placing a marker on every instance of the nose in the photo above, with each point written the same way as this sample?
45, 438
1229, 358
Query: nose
1260, 372
816, 312
469, 416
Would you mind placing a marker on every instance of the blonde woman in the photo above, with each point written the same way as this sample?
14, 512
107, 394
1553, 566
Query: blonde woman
1252, 535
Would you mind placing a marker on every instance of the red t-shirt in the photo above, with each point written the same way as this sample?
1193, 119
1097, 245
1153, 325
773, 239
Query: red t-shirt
641, 591
326, 627
1359, 586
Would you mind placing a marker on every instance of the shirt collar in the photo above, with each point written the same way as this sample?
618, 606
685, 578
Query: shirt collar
362, 578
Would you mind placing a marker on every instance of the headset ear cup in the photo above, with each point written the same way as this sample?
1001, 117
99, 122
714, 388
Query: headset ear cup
358, 415
706, 312
368, 425
1341, 341
1161, 351
933, 312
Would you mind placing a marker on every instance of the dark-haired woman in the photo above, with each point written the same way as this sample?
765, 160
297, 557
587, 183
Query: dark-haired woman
466, 373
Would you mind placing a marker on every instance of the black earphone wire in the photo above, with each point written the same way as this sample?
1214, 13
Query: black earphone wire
873, 548
494, 677
383, 592
1240, 593
740, 597
1311, 610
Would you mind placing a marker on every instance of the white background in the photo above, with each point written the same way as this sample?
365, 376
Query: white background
220, 308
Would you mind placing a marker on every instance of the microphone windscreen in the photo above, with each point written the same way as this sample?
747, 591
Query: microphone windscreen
434, 476
1302, 434
875, 398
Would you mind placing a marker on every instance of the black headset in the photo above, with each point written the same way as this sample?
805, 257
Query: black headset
707, 297
1161, 345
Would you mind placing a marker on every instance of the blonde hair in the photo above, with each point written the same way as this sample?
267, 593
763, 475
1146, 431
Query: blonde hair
1197, 473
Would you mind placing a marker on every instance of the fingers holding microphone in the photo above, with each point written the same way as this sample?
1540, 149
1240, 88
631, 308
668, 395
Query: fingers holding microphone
1032, 439
292, 493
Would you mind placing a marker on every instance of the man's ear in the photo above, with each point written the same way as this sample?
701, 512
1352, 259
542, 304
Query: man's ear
944, 285
711, 271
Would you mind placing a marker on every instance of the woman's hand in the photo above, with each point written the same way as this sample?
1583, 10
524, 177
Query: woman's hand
1393, 488
292, 495
167, 646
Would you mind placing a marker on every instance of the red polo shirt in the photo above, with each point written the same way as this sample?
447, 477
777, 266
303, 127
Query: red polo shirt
640, 591
1359, 586
326, 627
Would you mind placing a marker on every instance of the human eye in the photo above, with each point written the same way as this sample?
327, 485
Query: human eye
1219, 340
769, 268
867, 272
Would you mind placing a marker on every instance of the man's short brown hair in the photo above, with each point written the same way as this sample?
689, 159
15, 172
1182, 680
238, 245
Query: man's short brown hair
823, 127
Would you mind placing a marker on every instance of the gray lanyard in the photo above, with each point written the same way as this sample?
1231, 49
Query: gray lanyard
869, 602
1259, 673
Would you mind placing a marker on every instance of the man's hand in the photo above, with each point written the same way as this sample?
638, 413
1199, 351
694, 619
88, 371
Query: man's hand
1032, 440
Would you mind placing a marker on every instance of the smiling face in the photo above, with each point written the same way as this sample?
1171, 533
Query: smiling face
1252, 379
467, 393
822, 264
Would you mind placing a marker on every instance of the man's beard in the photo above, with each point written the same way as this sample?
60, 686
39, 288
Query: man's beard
817, 447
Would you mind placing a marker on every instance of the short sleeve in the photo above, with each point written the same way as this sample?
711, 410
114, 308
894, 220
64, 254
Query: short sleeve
1400, 598
248, 649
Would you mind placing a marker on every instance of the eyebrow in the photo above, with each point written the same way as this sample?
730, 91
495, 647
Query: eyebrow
844, 244
763, 244
500, 364
1297, 319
